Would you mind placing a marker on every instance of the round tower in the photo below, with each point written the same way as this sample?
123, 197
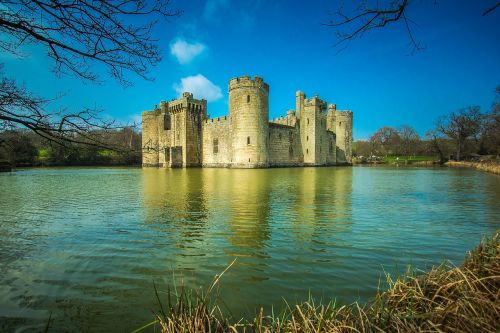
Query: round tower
344, 136
249, 112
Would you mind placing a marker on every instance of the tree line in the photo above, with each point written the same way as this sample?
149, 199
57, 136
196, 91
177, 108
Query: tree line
460, 135
21, 147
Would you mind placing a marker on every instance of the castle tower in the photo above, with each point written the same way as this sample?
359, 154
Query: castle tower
249, 112
182, 125
313, 131
299, 103
330, 119
343, 126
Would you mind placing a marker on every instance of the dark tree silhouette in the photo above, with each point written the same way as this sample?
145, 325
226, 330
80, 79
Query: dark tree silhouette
80, 37
460, 126
372, 15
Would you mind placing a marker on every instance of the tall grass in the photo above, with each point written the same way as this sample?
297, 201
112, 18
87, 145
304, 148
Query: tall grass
445, 299
493, 167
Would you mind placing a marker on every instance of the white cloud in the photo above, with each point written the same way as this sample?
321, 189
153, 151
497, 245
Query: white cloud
185, 51
200, 86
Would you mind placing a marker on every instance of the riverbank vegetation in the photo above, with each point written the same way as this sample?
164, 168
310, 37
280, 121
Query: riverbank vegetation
445, 299
23, 148
467, 134
492, 167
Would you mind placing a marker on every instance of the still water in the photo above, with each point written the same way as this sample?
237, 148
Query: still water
86, 244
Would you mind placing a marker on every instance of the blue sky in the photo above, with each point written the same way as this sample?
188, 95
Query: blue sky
377, 76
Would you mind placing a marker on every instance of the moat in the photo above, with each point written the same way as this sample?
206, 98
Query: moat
86, 244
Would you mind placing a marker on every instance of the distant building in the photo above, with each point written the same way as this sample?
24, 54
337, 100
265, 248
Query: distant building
180, 134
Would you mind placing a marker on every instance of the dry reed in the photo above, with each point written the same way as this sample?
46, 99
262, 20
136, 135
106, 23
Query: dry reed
445, 299
493, 167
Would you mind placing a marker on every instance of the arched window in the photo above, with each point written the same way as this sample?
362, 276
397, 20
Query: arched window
307, 138
307, 151
248, 140
248, 98
307, 121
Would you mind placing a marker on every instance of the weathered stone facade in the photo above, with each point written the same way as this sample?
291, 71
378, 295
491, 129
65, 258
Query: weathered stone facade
180, 134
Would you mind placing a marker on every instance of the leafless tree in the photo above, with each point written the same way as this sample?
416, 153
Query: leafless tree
460, 126
437, 144
408, 139
373, 15
80, 37
488, 137
387, 138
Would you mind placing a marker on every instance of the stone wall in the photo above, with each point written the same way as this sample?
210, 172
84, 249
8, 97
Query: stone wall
217, 142
150, 138
284, 146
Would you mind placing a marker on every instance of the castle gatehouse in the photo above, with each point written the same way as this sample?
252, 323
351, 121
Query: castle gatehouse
180, 134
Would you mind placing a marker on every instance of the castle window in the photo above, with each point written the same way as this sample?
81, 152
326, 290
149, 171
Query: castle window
340, 123
307, 151
248, 98
248, 140
167, 154
307, 121
290, 151
216, 146
307, 138
279, 136
167, 123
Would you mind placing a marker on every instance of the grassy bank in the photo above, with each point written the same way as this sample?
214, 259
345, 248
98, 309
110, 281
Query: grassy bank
493, 167
445, 299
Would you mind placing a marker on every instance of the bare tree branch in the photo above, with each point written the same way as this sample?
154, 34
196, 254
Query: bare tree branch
81, 37
492, 8
378, 15
366, 18
18, 107
79, 33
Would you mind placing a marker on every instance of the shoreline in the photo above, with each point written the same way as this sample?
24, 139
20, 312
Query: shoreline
490, 167
446, 298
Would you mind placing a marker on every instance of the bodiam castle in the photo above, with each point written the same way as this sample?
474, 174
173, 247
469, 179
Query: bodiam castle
181, 134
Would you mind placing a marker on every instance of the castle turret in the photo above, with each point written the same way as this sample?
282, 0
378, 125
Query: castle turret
330, 118
249, 112
299, 103
343, 121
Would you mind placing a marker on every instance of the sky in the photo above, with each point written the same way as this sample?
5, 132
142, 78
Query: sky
378, 77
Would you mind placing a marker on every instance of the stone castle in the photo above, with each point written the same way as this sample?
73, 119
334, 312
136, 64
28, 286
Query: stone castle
181, 134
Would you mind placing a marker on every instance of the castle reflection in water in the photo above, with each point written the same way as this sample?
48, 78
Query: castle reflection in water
282, 218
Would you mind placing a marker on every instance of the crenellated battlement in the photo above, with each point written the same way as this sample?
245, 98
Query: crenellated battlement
343, 114
217, 120
149, 114
185, 103
247, 82
315, 101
